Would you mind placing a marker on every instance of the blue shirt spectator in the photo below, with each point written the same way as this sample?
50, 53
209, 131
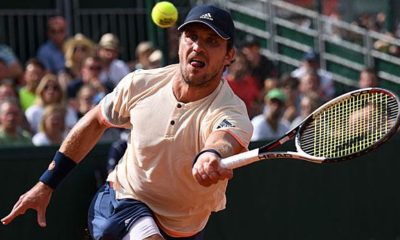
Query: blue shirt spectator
51, 53
10, 68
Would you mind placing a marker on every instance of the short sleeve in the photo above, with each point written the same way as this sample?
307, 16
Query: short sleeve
236, 122
115, 105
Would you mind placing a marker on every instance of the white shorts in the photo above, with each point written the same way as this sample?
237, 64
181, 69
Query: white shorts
144, 227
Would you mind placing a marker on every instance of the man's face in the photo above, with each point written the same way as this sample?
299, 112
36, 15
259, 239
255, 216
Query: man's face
252, 53
108, 54
57, 30
203, 54
367, 80
91, 69
33, 74
10, 116
275, 108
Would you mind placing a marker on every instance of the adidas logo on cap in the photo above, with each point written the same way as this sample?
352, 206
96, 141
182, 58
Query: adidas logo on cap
207, 16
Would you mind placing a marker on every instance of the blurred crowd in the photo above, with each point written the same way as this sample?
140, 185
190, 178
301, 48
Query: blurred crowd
41, 100
375, 22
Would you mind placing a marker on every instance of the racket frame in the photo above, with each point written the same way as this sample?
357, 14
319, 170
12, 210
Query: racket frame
263, 153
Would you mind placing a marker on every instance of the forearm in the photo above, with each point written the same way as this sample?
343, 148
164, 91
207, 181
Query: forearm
84, 136
224, 143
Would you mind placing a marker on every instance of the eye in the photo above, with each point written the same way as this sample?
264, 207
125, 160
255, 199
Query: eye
191, 36
213, 41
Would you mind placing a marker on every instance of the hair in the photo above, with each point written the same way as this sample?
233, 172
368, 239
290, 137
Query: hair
85, 87
53, 19
12, 101
289, 81
314, 98
49, 77
70, 45
370, 70
48, 111
36, 62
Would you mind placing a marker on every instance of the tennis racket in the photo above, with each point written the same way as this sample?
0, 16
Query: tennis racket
344, 128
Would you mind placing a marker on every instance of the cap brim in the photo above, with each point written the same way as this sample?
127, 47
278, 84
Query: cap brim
217, 30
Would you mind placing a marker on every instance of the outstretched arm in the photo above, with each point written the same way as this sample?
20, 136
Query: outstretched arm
76, 146
206, 169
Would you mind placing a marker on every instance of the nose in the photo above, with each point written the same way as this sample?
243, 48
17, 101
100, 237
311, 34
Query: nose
198, 46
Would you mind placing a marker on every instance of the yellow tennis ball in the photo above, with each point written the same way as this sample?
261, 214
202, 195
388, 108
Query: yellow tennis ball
164, 14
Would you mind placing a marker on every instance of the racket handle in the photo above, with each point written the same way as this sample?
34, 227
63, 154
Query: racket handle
240, 159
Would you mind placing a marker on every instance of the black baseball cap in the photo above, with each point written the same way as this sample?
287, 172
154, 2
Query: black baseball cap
216, 18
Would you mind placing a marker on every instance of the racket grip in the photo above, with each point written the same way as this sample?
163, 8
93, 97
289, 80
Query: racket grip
240, 159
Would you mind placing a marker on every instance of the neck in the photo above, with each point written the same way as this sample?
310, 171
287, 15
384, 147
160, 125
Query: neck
185, 92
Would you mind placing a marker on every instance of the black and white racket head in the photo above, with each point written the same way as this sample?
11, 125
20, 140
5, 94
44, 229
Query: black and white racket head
349, 126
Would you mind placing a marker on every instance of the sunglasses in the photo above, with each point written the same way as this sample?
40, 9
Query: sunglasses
80, 48
47, 87
57, 31
94, 68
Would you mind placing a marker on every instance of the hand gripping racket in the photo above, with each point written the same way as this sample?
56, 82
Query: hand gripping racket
346, 127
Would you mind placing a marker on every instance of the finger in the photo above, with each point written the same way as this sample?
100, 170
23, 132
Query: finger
211, 170
13, 214
201, 177
196, 175
41, 218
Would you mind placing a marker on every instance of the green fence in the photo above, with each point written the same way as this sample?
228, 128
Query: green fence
285, 39
277, 199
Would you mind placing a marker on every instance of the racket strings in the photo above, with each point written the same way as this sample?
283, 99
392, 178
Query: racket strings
349, 126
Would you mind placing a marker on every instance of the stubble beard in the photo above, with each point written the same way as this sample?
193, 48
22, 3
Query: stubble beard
200, 82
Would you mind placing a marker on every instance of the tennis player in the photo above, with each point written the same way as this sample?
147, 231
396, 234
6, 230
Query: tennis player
183, 119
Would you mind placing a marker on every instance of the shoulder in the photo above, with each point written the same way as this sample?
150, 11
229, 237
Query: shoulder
118, 63
143, 79
33, 110
258, 119
226, 97
44, 47
40, 139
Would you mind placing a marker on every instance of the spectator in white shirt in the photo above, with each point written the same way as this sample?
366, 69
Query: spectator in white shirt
114, 69
270, 125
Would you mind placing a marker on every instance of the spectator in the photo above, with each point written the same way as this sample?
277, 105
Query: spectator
85, 99
308, 104
311, 82
290, 87
11, 132
7, 90
52, 126
143, 51
269, 84
10, 68
76, 50
114, 69
311, 63
34, 71
243, 84
368, 78
261, 67
90, 74
155, 59
51, 53
48, 92
270, 124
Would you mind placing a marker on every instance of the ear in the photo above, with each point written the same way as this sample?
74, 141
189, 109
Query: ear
230, 56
